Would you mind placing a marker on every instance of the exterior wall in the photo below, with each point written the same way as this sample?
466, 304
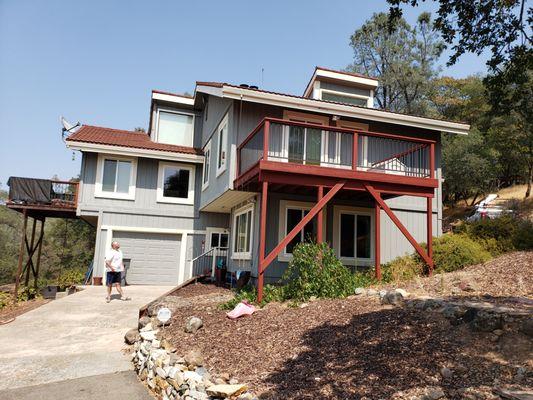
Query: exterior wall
144, 213
217, 109
393, 243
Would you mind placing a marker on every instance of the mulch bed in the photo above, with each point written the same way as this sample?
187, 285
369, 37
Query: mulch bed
14, 310
355, 348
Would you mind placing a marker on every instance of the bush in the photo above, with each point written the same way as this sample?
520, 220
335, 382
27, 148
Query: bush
402, 269
5, 299
456, 251
315, 271
27, 293
71, 277
502, 234
249, 293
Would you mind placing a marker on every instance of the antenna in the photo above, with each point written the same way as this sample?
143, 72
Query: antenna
262, 77
68, 128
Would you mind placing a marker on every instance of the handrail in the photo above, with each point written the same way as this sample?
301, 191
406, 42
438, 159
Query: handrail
207, 252
331, 128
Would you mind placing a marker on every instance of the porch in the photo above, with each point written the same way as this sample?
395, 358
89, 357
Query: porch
348, 165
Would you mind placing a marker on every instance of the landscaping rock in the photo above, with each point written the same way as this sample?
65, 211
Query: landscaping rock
131, 336
194, 358
527, 327
434, 394
394, 298
193, 324
371, 292
359, 291
148, 335
485, 321
225, 391
143, 321
446, 373
402, 292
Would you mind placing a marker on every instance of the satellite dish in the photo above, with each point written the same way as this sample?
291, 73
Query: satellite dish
68, 128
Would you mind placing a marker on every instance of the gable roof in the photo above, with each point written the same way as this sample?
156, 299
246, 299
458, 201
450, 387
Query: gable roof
88, 137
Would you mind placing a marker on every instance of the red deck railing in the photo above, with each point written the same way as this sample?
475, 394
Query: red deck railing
332, 147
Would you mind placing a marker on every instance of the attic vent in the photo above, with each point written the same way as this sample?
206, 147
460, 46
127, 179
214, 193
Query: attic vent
254, 87
244, 85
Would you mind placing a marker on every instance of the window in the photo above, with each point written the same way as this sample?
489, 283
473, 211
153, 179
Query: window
219, 239
346, 98
175, 183
207, 165
175, 128
242, 233
222, 132
115, 177
353, 235
291, 213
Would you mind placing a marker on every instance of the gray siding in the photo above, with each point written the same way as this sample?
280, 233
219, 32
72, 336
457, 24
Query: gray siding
393, 243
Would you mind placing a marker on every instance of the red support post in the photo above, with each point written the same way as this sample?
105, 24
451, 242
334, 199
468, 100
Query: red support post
432, 160
266, 137
262, 239
430, 233
355, 151
377, 240
320, 218
297, 229
377, 197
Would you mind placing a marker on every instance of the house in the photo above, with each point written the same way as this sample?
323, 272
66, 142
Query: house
255, 172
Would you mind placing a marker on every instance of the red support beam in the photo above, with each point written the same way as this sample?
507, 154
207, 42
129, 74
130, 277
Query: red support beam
399, 224
291, 235
430, 233
320, 218
432, 160
266, 138
262, 240
21, 253
377, 240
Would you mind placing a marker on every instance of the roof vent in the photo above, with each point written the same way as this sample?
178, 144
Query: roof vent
244, 85
254, 87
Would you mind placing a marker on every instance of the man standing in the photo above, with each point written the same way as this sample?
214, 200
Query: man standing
114, 268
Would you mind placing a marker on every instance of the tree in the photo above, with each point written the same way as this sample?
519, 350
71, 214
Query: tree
468, 167
139, 129
404, 60
504, 27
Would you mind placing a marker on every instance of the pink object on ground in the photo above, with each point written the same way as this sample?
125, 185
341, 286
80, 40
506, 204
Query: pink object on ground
243, 308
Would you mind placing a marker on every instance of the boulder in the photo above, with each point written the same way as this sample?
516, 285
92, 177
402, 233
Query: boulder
225, 391
148, 335
193, 324
194, 358
371, 292
131, 336
392, 297
143, 321
527, 327
434, 394
359, 291
486, 321
403, 292
446, 372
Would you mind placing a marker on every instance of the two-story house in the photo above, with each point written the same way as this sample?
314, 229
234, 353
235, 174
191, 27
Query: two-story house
257, 172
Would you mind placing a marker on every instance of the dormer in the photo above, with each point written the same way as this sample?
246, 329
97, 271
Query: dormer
172, 119
341, 87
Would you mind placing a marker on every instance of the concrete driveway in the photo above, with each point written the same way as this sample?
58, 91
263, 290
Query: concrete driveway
75, 337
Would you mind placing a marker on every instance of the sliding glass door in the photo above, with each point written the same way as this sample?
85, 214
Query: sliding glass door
355, 237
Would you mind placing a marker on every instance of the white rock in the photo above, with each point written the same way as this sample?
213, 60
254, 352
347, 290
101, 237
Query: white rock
225, 391
148, 335
404, 293
161, 372
147, 327
358, 291
192, 376
156, 344
382, 293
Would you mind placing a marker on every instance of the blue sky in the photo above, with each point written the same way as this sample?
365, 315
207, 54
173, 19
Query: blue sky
97, 61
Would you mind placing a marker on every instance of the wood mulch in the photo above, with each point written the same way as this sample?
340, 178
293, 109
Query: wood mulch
11, 311
355, 348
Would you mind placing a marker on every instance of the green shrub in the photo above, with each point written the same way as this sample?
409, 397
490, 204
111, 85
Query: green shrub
27, 293
510, 233
71, 277
249, 293
315, 271
5, 299
402, 269
452, 252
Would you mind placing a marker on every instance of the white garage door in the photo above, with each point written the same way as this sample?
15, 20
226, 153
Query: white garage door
153, 257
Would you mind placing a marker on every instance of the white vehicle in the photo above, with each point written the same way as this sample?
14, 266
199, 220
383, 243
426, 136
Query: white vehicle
487, 210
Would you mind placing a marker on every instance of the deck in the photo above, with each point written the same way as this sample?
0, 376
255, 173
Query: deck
289, 154
42, 198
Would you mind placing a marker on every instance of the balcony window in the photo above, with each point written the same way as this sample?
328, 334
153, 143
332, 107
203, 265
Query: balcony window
175, 128
175, 183
115, 177
344, 98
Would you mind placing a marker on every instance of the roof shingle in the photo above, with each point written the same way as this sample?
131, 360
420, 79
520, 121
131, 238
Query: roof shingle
117, 137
